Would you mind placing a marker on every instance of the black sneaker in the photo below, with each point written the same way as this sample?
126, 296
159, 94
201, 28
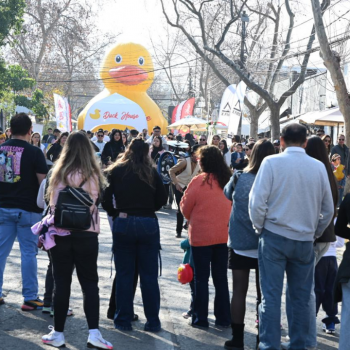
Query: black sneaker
31, 305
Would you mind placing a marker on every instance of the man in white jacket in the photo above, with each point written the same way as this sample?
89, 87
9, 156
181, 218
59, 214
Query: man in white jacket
290, 205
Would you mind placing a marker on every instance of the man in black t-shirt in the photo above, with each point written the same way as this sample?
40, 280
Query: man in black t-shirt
22, 169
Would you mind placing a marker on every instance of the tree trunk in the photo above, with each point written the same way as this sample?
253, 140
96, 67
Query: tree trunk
254, 118
332, 63
275, 122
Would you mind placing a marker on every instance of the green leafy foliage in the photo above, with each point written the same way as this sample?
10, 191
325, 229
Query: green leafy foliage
36, 104
11, 13
17, 78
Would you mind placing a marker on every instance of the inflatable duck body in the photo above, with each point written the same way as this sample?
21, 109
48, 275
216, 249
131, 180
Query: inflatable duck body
127, 73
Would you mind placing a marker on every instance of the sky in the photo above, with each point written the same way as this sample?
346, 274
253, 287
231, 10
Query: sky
138, 20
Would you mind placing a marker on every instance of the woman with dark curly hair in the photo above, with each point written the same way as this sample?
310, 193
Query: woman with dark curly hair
113, 148
208, 221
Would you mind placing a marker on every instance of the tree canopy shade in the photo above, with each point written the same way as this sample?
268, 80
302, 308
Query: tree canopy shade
14, 78
18, 79
11, 12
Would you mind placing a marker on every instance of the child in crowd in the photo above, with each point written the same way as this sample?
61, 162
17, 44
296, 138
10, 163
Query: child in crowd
338, 170
325, 274
238, 156
187, 259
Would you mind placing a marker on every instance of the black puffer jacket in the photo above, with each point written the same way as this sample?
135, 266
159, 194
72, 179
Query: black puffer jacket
111, 151
54, 152
342, 230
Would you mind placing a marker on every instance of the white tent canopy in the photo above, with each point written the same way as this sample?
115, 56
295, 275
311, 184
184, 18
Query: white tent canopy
188, 123
330, 117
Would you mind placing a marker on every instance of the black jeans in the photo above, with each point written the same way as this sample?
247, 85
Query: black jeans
80, 249
212, 257
49, 284
325, 274
179, 216
170, 194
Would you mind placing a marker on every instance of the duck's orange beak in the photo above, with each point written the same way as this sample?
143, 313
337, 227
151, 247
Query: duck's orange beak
129, 75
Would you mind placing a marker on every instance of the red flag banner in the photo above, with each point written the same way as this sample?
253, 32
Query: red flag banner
187, 108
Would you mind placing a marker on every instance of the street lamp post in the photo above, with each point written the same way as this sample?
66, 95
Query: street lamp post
244, 19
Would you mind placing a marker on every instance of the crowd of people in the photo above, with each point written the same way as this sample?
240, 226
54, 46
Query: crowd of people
256, 219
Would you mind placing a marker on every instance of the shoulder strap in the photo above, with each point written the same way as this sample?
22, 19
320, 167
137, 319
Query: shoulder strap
84, 200
82, 184
236, 177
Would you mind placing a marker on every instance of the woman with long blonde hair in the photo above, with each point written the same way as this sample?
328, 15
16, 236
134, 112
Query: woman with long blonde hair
139, 192
76, 167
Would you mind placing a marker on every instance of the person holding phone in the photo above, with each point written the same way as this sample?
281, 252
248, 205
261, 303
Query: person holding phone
181, 175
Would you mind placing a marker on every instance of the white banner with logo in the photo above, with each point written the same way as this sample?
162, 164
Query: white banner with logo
115, 110
228, 102
62, 111
229, 114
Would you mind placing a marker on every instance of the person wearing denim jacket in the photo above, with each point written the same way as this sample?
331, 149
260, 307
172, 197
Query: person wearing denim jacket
243, 241
239, 154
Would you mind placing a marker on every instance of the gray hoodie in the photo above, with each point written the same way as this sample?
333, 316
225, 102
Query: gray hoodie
291, 196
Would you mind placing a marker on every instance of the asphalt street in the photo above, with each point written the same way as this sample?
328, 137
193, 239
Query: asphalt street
23, 330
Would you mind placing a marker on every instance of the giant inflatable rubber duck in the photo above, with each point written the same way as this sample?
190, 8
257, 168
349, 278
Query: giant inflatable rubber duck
127, 73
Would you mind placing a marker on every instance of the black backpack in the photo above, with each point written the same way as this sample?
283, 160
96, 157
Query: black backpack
73, 209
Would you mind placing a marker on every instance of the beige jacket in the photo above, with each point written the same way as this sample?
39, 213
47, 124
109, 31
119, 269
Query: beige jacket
184, 170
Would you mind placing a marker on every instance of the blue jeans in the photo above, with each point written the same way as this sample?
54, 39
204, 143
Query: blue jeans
277, 255
216, 256
136, 239
17, 223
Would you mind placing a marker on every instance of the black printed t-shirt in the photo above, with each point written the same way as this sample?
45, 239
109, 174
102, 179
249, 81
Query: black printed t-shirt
19, 185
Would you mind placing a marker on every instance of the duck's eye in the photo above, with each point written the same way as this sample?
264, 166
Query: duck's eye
141, 61
118, 58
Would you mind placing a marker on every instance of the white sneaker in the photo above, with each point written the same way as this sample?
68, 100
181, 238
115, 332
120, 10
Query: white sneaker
285, 346
54, 338
95, 341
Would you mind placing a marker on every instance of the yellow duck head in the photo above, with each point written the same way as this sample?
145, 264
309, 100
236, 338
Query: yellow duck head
127, 67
